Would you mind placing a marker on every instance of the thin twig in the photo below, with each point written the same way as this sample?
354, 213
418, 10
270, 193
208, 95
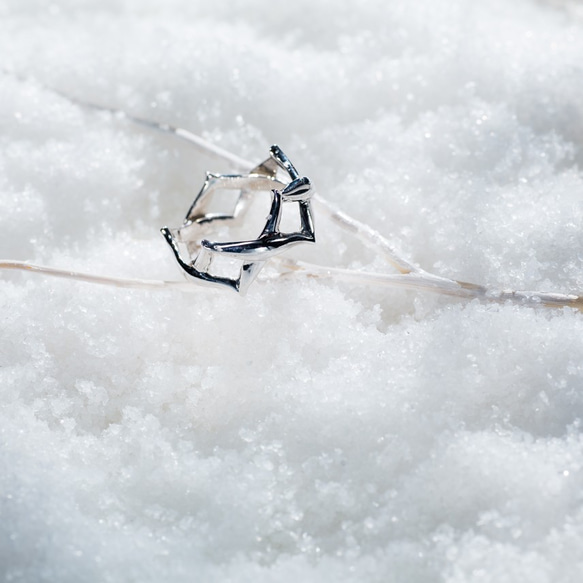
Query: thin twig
432, 283
410, 276
418, 282
366, 234
91, 278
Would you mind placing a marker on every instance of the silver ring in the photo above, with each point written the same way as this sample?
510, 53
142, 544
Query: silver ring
248, 257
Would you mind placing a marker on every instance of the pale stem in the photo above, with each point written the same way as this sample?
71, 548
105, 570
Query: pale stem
414, 281
410, 276
99, 279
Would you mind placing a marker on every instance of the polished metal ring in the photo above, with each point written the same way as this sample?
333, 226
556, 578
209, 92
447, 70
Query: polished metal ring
276, 175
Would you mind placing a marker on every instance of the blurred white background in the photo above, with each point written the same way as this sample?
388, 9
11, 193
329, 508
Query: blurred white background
309, 431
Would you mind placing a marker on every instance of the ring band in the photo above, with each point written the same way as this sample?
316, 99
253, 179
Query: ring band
251, 254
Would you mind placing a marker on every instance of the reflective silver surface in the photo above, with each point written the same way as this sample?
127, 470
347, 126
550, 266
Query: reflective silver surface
250, 256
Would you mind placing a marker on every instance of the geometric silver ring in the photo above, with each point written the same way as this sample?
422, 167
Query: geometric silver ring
276, 175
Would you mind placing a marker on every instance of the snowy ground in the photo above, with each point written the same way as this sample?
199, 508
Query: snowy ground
309, 431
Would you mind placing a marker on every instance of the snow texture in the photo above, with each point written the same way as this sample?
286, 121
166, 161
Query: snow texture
310, 431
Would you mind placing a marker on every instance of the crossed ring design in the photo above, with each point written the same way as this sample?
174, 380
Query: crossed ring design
276, 175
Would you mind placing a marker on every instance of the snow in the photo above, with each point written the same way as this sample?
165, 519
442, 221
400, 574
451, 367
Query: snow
310, 431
